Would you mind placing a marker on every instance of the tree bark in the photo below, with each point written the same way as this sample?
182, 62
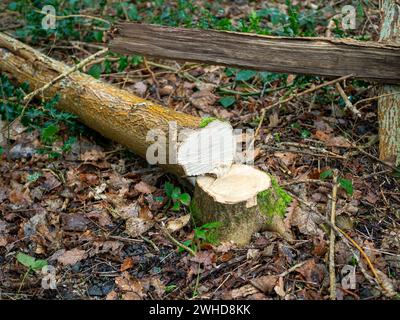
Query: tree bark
389, 103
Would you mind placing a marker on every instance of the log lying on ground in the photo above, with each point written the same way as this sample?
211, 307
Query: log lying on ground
314, 56
127, 119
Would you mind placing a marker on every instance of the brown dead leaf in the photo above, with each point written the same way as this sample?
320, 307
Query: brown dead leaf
242, 292
177, 224
70, 257
203, 99
112, 295
155, 284
127, 264
139, 88
143, 187
280, 288
312, 272
207, 258
101, 215
286, 157
92, 155
265, 284
321, 135
137, 226
338, 142
126, 283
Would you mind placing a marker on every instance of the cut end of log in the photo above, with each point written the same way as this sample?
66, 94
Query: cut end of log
207, 149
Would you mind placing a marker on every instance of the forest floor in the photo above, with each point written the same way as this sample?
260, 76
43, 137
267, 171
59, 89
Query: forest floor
92, 210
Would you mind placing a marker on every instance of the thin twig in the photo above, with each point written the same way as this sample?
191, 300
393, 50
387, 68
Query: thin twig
82, 63
348, 103
310, 90
181, 245
332, 274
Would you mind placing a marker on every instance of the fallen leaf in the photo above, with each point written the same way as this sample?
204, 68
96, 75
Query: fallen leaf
265, 284
139, 88
242, 292
127, 264
338, 142
128, 284
143, 187
203, 99
253, 254
286, 157
177, 224
137, 226
280, 288
321, 135
312, 272
112, 295
74, 222
92, 155
71, 257
155, 285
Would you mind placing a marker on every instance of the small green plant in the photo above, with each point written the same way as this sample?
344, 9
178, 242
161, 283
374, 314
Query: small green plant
31, 263
346, 184
203, 235
175, 197
34, 177
206, 121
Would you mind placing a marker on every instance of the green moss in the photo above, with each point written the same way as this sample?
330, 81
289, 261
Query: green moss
274, 201
205, 121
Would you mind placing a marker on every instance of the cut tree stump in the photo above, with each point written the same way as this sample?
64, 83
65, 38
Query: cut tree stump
244, 201
202, 147
389, 103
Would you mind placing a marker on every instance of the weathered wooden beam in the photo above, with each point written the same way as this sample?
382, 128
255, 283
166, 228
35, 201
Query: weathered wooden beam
313, 56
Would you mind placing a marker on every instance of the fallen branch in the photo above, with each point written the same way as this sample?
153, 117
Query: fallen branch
332, 273
347, 102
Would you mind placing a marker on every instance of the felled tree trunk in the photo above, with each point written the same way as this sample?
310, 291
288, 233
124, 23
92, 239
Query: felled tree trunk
200, 147
389, 103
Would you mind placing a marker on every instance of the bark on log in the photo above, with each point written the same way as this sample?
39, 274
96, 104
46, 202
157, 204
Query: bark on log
389, 104
314, 56
126, 118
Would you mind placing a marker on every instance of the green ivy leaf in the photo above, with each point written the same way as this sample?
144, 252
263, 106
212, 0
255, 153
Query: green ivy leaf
133, 12
34, 176
347, 185
326, 174
169, 188
176, 193
212, 225
95, 70
49, 133
122, 63
176, 206
245, 75
305, 134
1, 150
184, 198
227, 101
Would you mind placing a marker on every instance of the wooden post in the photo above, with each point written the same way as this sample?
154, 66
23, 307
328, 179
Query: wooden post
389, 105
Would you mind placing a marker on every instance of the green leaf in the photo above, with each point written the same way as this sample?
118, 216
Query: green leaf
176, 193
347, 185
212, 225
96, 70
98, 36
13, 6
133, 12
326, 174
245, 75
184, 198
305, 134
25, 259
49, 133
169, 188
122, 63
158, 199
176, 206
34, 176
39, 264
171, 287
1, 150
227, 101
